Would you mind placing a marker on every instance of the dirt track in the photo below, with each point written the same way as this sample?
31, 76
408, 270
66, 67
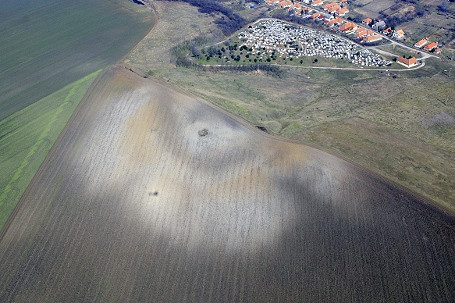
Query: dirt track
133, 204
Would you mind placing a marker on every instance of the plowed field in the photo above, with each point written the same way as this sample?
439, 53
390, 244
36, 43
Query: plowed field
135, 203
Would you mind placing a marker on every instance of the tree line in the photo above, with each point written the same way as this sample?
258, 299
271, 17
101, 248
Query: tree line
269, 69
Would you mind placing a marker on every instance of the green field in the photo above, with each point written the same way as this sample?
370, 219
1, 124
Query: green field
47, 44
27, 136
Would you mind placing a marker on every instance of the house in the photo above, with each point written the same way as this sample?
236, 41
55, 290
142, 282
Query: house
316, 2
372, 38
437, 50
412, 61
364, 33
367, 21
343, 1
328, 5
361, 33
387, 31
399, 34
284, 4
380, 25
347, 26
342, 11
335, 21
421, 43
272, 2
431, 46
333, 8
315, 15
298, 12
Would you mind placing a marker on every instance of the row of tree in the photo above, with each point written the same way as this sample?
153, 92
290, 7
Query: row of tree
269, 69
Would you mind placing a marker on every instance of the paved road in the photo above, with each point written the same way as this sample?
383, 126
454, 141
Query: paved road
422, 53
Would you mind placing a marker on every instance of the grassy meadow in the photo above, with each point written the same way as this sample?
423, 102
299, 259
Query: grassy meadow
381, 120
47, 44
27, 136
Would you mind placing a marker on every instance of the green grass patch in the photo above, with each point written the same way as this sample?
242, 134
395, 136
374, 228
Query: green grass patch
27, 136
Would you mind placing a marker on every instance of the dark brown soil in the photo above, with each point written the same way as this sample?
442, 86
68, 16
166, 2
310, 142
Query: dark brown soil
240, 217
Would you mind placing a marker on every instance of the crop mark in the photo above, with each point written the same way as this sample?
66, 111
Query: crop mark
42, 138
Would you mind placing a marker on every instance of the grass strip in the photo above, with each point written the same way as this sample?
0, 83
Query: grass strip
27, 136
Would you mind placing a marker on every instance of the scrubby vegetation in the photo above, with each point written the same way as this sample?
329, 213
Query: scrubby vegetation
229, 22
204, 56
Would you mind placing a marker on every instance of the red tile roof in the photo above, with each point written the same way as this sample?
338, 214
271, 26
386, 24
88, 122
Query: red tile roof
334, 8
372, 38
342, 11
431, 46
347, 26
335, 21
408, 62
421, 42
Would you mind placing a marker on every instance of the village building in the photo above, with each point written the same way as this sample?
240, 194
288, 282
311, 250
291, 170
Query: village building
342, 11
272, 2
316, 2
378, 26
296, 6
387, 31
284, 4
328, 5
431, 46
335, 21
361, 32
315, 15
367, 21
398, 34
348, 26
372, 38
408, 62
364, 33
333, 8
421, 43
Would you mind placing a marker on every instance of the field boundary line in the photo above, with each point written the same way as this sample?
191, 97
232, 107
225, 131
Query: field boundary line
49, 155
